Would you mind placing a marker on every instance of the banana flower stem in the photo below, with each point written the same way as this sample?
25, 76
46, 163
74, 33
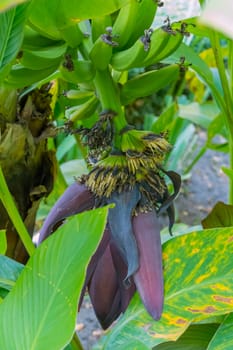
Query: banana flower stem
108, 93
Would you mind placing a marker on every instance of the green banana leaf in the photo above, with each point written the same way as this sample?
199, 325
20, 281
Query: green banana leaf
49, 18
198, 275
9, 272
11, 35
196, 337
222, 339
200, 67
220, 216
3, 243
40, 311
6, 4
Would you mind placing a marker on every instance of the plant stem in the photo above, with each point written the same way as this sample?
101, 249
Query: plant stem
108, 94
14, 215
76, 343
228, 101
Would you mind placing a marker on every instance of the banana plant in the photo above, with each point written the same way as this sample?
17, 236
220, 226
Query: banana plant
68, 69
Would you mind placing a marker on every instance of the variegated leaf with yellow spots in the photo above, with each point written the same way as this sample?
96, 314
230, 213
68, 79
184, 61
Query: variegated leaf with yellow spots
198, 273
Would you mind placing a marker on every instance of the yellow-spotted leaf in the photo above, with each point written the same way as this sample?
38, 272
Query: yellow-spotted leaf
198, 274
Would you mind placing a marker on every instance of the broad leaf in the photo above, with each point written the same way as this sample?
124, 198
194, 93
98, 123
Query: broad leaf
3, 243
198, 274
219, 15
40, 312
200, 67
9, 272
6, 4
222, 339
220, 216
196, 337
11, 34
199, 114
50, 17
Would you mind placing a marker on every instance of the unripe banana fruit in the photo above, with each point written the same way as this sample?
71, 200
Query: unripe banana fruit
134, 56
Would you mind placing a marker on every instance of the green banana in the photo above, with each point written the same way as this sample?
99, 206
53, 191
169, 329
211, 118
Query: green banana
31, 61
146, 11
75, 71
35, 41
99, 25
132, 57
101, 51
164, 41
159, 40
132, 20
125, 22
72, 34
147, 83
83, 111
78, 94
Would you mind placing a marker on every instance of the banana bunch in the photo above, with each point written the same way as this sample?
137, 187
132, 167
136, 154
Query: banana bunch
164, 41
132, 20
134, 56
159, 44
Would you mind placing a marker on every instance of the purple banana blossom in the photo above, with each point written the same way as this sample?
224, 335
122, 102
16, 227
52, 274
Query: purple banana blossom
128, 257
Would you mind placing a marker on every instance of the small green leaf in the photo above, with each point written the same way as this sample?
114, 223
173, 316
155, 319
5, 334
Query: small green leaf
200, 67
40, 311
196, 337
11, 34
199, 114
222, 339
3, 242
165, 119
228, 172
220, 216
198, 275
